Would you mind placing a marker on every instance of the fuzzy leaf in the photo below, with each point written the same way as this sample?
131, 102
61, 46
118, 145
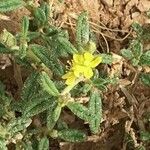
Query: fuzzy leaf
43, 144
52, 116
64, 45
101, 83
137, 48
8, 5
106, 58
3, 144
41, 54
31, 87
95, 108
145, 136
145, 58
7, 39
82, 35
72, 135
145, 78
138, 28
25, 26
40, 16
48, 85
4, 50
127, 53
37, 105
18, 124
79, 110
46, 8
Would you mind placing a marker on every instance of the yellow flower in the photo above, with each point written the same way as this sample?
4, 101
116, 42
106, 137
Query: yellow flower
82, 65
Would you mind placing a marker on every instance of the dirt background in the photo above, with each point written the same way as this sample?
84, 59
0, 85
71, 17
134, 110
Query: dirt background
125, 106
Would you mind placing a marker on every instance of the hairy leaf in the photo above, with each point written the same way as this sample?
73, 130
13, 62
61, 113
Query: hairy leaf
145, 78
8, 5
48, 85
72, 135
79, 110
106, 58
18, 124
145, 58
145, 136
31, 87
82, 35
43, 144
25, 26
3, 144
37, 105
95, 108
52, 116
127, 53
40, 16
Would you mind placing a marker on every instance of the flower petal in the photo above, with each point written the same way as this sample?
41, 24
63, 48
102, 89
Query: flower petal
78, 58
96, 62
78, 70
88, 73
70, 80
88, 57
67, 75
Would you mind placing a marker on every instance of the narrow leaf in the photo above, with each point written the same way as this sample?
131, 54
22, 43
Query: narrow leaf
79, 110
72, 135
145, 78
25, 26
37, 105
31, 87
8, 5
52, 116
43, 144
82, 35
48, 85
145, 58
18, 124
95, 108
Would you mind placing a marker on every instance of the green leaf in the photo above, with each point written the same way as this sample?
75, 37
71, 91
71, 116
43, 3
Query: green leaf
40, 17
106, 58
7, 39
145, 58
46, 8
48, 85
79, 110
95, 108
137, 49
52, 117
3, 144
4, 50
43, 144
138, 28
41, 54
25, 26
72, 135
19, 124
82, 31
145, 78
65, 45
127, 53
135, 62
8, 5
101, 83
145, 136
31, 87
37, 105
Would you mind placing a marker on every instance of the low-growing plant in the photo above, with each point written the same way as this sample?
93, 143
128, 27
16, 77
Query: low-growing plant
61, 73
52, 86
